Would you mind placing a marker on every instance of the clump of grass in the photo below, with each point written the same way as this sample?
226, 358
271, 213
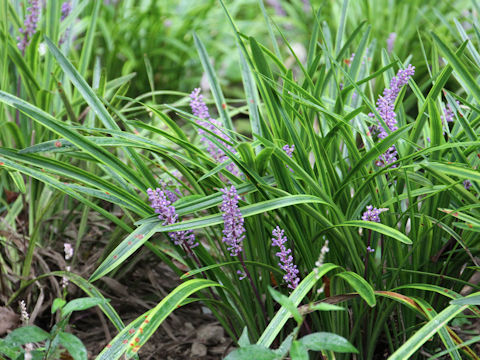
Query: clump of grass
322, 163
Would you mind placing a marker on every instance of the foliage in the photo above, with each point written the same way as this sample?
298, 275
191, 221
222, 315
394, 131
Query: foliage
393, 238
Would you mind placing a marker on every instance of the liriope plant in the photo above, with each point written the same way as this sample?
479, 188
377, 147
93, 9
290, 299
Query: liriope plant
28, 71
387, 180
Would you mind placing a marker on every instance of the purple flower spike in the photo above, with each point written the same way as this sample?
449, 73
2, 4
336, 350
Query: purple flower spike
372, 214
386, 109
449, 113
289, 151
391, 42
234, 230
66, 9
30, 25
286, 259
161, 203
200, 110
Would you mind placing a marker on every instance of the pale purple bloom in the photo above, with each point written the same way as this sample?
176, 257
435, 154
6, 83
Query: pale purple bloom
369, 249
372, 214
162, 205
449, 112
241, 275
30, 25
66, 9
386, 109
234, 229
289, 151
391, 41
200, 110
286, 259
467, 184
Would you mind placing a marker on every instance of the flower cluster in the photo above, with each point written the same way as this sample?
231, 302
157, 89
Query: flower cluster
449, 114
68, 249
391, 42
24, 313
372, 214
467, 184
386, 109
200, 110
234, 229
66, 9
286, 259
321, 258
289, 151
30, 25
162, 205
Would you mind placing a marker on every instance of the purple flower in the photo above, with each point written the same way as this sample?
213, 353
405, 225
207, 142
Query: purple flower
200, 110
162, 205
386, 109
66, 9
449, 113
286, 259
30, 25
289, 151
372, 214
391, 41
234, 229
467, 184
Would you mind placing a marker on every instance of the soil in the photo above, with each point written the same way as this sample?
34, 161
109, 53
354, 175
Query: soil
191, 332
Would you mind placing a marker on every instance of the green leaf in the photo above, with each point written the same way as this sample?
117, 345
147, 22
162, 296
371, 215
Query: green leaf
382, 229
18, 181
426, 332
321, 341
282, 315
325, 307
228, 263
360, 285
213, 81
132, 338
286, 303
82, 304
451, 169
459, 68
468, 300
74, 137
74, 346
58, 303
250, 352
26, 334
83, 284
126, 248
244, 339
298, 351
246, 211
12, 352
